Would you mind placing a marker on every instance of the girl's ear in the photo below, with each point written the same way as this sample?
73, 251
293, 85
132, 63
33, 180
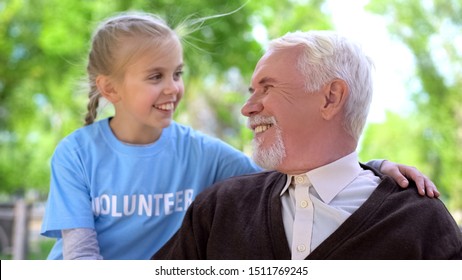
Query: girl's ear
335, 95
107, 89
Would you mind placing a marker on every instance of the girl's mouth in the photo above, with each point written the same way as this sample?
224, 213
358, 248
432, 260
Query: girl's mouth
165, 107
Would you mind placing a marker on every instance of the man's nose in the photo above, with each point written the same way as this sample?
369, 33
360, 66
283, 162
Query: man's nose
251, 107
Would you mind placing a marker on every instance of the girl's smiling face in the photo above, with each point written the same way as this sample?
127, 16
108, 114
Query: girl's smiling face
149, 91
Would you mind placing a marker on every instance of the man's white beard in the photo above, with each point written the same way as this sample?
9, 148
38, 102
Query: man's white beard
269, 158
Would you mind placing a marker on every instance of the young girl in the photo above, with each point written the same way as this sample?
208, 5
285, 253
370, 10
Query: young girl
124, 183
120, 186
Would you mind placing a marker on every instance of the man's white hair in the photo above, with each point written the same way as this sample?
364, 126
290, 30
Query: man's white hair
327, 56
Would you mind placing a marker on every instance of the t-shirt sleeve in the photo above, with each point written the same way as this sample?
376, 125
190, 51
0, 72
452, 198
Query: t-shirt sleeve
69, 204
231, 162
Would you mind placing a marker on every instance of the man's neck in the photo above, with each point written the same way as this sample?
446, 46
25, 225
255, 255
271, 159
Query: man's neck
305, 159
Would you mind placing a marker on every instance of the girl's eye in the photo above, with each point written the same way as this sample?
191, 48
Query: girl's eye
155, 77
178, 75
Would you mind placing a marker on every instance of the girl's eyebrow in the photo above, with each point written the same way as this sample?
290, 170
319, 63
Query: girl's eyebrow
160, 68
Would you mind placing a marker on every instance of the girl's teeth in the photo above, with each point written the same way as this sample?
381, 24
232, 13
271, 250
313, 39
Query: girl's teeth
165, 107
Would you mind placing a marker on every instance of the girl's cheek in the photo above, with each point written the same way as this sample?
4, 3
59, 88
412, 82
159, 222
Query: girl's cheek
181, 91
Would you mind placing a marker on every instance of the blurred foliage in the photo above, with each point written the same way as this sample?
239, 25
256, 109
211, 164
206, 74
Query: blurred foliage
43, 52
431, 138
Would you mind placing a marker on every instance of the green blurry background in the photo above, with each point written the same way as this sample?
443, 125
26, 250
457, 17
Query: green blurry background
44, 43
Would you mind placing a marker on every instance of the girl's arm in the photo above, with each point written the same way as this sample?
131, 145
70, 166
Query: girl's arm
80, 244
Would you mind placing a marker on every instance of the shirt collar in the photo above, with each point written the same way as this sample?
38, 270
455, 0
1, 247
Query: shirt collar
326, 184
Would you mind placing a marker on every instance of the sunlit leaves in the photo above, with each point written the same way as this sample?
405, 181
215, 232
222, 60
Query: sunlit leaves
433, 32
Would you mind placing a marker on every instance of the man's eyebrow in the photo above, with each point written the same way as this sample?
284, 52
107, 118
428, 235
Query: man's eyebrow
267, 80
263, 82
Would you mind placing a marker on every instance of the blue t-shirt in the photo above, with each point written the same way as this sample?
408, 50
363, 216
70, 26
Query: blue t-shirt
135, 197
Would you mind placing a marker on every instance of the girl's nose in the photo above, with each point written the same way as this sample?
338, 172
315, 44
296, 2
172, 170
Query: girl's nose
172, 87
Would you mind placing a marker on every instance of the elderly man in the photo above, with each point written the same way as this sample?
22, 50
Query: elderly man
310, 96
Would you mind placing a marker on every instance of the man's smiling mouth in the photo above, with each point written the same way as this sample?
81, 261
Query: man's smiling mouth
262, 128
260, 124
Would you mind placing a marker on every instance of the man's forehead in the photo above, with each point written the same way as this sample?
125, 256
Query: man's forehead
274, 55
268, 63
276, 66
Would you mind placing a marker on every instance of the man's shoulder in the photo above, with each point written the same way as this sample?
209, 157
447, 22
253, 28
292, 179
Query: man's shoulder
258, 179
241, 185
404, 197
410, 203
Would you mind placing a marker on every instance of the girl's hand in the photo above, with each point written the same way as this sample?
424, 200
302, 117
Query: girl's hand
401, 173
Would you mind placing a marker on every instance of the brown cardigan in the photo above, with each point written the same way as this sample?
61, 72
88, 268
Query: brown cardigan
240, 218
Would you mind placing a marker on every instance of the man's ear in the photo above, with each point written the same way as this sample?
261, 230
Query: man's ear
106, 88
335, 95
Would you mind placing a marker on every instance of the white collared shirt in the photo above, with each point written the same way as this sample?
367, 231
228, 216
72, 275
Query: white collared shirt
319, 201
